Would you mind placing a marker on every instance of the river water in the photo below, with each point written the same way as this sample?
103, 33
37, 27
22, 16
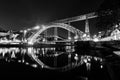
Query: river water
59, 63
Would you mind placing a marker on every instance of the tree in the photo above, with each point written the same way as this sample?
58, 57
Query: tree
108, 14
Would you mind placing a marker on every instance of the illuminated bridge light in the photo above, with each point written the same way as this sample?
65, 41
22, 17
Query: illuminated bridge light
69, 38
36, 27
95, 39
30, 43
76, 37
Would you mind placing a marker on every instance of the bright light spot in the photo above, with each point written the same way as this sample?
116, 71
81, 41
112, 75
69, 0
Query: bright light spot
44, 40
116, 26
101, 66
99, 32
117, 52
23, 61
85, 60
19, 61
69, 56
25, 31
95, 40
34, 65
36, 27
76, 37
30, 50
27, 63
42, 66
76, 57
30, 43
69, 38
84, 35
89, 59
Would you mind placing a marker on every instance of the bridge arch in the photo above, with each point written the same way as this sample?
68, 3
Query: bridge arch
70, 28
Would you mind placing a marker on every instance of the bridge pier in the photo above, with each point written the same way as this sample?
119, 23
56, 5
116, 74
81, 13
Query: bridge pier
87, 31
55, 33
69, 33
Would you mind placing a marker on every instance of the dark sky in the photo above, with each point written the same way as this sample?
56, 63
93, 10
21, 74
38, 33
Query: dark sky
21, 14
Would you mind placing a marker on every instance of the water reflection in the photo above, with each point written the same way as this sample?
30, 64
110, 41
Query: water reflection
55, 58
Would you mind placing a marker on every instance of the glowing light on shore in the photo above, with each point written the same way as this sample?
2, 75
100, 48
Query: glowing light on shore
95, 39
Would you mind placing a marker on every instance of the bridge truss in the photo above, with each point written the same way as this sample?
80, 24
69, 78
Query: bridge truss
64, 23
43, 28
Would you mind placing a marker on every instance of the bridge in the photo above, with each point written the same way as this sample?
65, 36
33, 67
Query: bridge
42, 32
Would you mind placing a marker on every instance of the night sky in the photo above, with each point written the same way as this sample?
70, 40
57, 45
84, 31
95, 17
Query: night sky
22, 14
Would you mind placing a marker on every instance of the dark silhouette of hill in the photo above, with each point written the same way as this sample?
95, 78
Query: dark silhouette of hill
109, 4
109, 14
2, 30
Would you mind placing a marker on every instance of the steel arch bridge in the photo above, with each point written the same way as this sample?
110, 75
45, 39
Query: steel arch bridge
32, 39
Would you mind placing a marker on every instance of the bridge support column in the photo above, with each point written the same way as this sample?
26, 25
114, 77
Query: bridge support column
45, 36
55, 33
87, 31
69, 34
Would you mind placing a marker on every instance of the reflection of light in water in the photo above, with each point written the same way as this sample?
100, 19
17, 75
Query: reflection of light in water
78, 60
51, 53
13, 55
45, 51
23, 51
69, 48
69, 55
27, 63
30, 50
76, 57
17, 54
88, 59
11, 51
117, 52
34, 65
36, 54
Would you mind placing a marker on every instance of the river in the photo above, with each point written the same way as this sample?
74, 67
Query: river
59, 63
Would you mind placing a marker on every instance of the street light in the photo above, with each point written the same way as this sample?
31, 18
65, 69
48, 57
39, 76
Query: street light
36, 27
